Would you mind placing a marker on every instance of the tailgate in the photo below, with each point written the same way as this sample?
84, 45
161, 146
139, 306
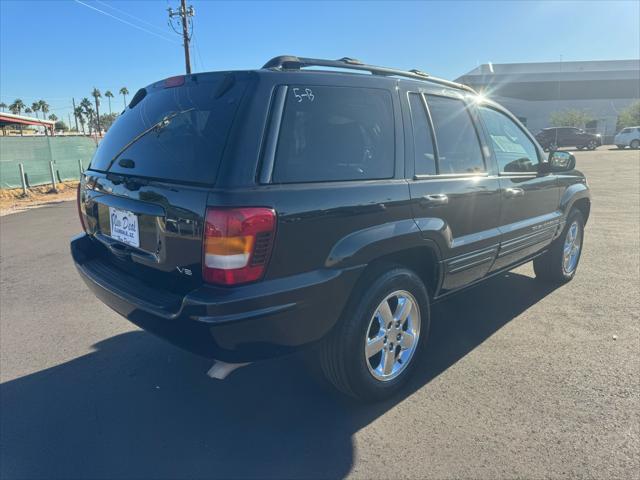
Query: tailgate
166, 244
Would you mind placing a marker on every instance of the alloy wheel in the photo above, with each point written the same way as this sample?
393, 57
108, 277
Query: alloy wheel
392, 335
571, 251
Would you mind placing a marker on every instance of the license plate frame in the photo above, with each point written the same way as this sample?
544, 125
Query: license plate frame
124, 227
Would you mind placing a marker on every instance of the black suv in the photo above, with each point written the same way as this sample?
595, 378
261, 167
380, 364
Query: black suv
553, 138
248, 214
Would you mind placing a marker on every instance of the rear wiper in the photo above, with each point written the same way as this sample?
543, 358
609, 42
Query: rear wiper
156, 127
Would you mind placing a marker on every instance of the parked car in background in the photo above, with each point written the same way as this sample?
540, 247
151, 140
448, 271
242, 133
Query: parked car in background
553, 138
243, 215
628, 137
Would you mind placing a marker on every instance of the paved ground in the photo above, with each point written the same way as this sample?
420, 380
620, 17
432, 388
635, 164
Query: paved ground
520, 381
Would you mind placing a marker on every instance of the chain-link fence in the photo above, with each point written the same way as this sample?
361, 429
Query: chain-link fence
36, 153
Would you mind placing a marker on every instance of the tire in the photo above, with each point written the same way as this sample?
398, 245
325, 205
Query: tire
343, 353
635, 144
592, 145
580, 147
553, 266
620, 147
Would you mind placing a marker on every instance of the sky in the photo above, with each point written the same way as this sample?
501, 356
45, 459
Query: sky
56, 50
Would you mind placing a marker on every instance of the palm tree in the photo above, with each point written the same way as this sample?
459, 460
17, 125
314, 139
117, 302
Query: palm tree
16, 107
87, 107
96, 96
53, 117
78, 113
124, 92
109, 96
28, 110
35, 107
44, 108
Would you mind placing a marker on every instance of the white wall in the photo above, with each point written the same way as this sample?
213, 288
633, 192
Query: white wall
538, 113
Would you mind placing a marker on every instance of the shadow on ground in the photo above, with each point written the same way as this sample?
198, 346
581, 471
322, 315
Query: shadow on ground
139, 408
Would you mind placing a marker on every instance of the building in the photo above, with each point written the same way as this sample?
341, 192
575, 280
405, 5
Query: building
10, 119
533, 91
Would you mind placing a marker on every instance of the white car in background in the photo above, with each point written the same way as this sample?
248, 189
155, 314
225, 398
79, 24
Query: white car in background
628, 137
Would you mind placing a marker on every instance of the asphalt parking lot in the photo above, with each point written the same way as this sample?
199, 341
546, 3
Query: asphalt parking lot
521, 380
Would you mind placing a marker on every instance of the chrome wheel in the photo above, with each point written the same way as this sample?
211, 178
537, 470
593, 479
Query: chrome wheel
392, 335
571, 251
592, 145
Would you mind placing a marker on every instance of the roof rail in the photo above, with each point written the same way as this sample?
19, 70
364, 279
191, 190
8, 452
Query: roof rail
290, 62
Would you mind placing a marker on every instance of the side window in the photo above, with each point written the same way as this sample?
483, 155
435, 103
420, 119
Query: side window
514, 151
458, 145
425, 160
335, 133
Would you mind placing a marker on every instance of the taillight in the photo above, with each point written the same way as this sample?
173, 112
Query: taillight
80, 212
174, 81
237, 244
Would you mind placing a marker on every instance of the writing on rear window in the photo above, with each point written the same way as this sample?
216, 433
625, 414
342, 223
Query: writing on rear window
301, 94
349, 135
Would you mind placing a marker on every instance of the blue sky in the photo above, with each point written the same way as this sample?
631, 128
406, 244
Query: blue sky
66, 48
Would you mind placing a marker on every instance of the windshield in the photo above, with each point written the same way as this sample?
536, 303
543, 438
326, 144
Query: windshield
174, 133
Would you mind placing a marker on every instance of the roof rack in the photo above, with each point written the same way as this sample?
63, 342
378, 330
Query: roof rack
290, 62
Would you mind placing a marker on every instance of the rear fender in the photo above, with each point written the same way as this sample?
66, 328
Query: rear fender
377, 242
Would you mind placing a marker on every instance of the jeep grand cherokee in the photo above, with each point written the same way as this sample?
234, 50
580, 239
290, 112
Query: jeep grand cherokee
247, 214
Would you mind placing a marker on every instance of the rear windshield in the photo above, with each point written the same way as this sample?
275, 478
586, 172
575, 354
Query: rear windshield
175, 133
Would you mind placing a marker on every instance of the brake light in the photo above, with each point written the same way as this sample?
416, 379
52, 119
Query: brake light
80, 212
174, 81
237, 244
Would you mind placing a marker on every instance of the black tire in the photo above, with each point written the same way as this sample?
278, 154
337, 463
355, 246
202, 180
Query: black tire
580, 147
635, 144
550, 266
592, 145
620, 147
342, 352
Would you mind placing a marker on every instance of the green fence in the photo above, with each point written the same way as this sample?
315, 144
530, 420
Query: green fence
35, 153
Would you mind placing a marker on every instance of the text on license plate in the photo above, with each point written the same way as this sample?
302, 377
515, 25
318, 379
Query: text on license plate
124, 226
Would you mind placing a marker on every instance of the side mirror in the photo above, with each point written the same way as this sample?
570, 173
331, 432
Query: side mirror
561, 162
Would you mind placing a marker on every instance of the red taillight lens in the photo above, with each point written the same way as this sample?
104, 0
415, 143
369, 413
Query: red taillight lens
174, 81
237, 244
80, 212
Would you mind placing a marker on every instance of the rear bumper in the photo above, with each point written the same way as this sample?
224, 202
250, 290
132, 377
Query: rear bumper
238, 324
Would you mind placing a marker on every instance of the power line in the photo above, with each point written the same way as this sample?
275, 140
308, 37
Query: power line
125, 21
196, 46
130, 15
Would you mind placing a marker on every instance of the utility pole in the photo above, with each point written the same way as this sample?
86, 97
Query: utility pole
185, 15
73, 100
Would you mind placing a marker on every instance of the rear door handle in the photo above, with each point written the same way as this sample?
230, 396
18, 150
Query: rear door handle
513, 192
435, 199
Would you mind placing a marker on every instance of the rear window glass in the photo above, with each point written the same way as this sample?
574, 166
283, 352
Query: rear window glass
335, 133
456, 137
176, 133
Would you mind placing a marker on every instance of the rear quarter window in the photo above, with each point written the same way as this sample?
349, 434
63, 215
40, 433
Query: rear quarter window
335, 133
